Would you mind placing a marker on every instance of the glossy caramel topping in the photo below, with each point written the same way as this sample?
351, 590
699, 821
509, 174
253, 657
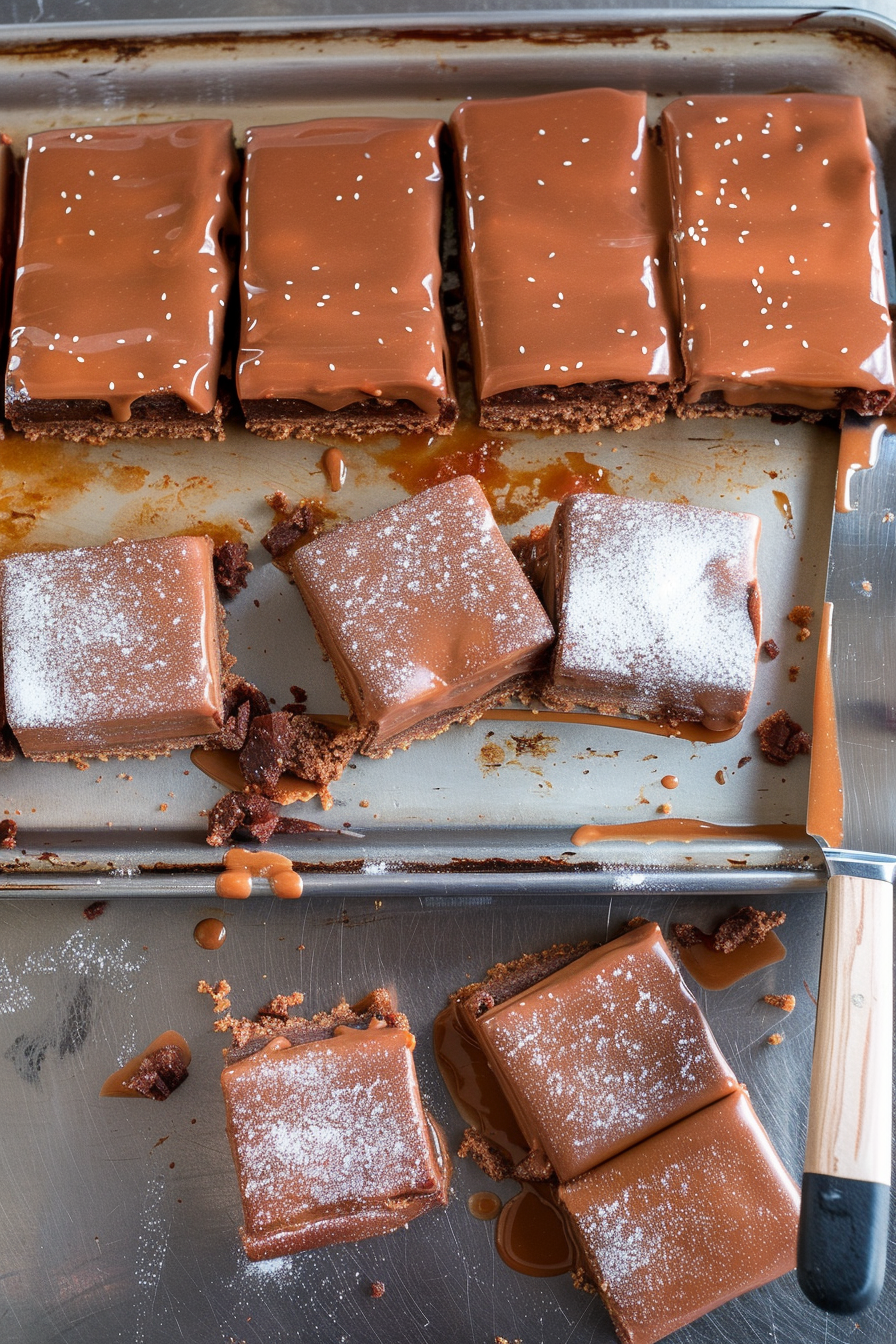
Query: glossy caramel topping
604, 1052
777, 246
563, 216
329, 1139
340, 273
685, 1221
422, 606
111, 647
657, 609
122, 277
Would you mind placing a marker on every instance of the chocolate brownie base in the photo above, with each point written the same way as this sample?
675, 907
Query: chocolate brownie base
279, 418
509, 978
250, 1035
581, 407
90, 421
848, 399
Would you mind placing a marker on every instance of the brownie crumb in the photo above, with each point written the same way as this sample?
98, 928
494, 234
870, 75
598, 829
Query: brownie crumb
297, 523
487, 1156
803, 635
636, 922
280, 1005
8, 833
94, 910
801, 615
747, 925
231, 564
581, 1281
793, 672
159, 1073
250, 1034
293, 741
7, 744
776, 1038
243, 702
377, 1288
771, 649
781, 738
786, 1002
252, 813
744, 760
218, 992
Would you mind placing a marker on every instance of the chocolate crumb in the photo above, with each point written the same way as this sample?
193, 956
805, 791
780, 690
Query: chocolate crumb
487, 1156
747, 925
636, 922
252, 813
159, 1073
786, 1002
793, 673
94, 910
218, 992
776, 1038
801, 615
231, 564
8, 833
377, 1288
744, 760
280, 1005
803, 635
687, 935
781, 738
771, 648
299, 522
290, 740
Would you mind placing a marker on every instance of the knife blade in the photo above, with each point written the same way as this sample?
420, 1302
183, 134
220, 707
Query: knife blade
841, 1254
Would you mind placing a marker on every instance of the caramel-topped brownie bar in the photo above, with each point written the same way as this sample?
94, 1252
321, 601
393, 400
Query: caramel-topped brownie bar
342, 329
564, 224
113, 650
777, 248
657, 610
425, 614
602, 1052
123, 276
685, 1221
329, 1136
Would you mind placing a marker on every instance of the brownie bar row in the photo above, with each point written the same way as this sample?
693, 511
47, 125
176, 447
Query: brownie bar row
728, 264
423, 611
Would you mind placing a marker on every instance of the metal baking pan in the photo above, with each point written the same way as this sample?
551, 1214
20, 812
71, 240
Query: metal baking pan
120, 1220
498, 798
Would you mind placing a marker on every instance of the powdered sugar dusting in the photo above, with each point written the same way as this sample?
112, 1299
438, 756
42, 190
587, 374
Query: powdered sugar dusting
606, 1052
655, 602
108, 633
424, 595
335, 1122
82, 954
688, 1219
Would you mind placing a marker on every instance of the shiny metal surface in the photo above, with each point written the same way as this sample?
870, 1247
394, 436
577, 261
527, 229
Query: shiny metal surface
102, 1238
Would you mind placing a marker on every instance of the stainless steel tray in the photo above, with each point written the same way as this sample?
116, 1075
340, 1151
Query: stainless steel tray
440, 812
119, 1220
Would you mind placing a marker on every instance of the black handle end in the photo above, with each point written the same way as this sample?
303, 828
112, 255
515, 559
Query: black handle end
842, 1247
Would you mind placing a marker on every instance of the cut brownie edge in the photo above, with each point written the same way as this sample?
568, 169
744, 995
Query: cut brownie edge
279, 418
507, 979
581, 407
155, 417
848, 399
250, 1035
522, 687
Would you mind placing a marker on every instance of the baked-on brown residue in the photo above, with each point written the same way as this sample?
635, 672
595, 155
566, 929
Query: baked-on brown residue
746, 925
786, 1002
781, 738
94, 910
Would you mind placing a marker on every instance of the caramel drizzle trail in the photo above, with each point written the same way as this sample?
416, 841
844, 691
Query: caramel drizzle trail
241, 865
685, 829
690, 732
859, 447
825, 819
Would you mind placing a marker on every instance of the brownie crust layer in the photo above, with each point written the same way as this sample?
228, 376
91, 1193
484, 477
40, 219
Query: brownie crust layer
580, 407
89, 421
279, 418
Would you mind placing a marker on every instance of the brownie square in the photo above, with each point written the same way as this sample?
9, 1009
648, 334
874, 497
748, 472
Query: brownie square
777, 248
425, 614
657, 610
564, 226
330, 1140
112, 650
603, 1052
122, 282
342, 329
685, 1221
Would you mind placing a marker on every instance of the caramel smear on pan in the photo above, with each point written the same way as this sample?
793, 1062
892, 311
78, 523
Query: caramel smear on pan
685, 829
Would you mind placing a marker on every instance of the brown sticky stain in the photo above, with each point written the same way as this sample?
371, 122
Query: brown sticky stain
47, 476
539, 744
421, 461
491, 756
782, 504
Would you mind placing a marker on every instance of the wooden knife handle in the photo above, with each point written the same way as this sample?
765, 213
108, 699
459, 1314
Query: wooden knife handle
845, 1209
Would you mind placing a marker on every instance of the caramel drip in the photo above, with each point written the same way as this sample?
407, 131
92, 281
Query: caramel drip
241, 865
718, 970
334, 468
686, 830
471, 1084
825, 819
114, 1086
689, 732
531, 1236
669, 781
782, 504
210, 934
859, 447
484, 1205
